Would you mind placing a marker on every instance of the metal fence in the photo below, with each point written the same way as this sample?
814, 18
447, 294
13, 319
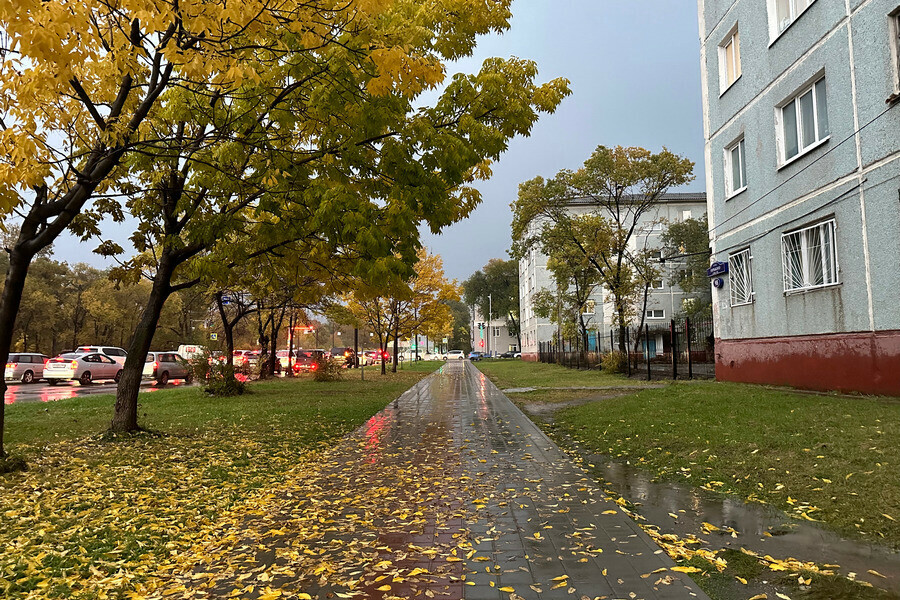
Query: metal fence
680, 349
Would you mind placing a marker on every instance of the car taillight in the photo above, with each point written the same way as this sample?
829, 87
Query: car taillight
155, 365
315, 366
74, 364
10, 365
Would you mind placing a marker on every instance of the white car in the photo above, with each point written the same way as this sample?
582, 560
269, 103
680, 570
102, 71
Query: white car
456, 355
26, 367
163, 366
114, 352
84, 367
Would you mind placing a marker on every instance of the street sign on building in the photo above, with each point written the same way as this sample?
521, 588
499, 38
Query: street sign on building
716, 269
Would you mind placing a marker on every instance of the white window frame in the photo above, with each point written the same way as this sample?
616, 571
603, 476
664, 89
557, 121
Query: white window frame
661, 285
651, 313
730, 189
589, 307
741, 277
496, 331
830, 267
734, 38
782, 108
776, 29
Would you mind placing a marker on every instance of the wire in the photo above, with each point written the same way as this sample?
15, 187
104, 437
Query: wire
817, 159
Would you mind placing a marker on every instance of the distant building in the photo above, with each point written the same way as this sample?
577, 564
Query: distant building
665, 301
802, 136
492, 336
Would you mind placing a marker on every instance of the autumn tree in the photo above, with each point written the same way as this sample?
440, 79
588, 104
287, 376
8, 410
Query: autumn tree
322, 142
80, 84
687, 243
400, 308
495, 289
461, 329
620, 187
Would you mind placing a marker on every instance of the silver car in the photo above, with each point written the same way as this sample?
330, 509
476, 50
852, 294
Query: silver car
25, 367
84, 367
456, 355
114, 352
163, 366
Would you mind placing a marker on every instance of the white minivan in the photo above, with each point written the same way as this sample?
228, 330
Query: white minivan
456, 355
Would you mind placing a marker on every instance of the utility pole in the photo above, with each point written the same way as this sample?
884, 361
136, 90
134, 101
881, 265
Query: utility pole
490, 327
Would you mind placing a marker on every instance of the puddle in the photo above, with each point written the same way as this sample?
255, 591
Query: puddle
762, 529
789, 538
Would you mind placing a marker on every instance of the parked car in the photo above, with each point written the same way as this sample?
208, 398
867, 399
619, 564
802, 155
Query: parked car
84, 367
475, 356
283, 358
163, 366
245, 360
308, 360
343, 354
25, 367
117, 354
456, 355
511, 355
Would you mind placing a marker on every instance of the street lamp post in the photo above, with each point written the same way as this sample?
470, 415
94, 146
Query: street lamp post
490, 328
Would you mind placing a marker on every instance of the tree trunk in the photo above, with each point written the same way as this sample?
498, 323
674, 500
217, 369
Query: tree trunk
125, 415
396, 344
19, 261
621, 310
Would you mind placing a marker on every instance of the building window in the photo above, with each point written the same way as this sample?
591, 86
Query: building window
588, 308
787, 11
496, 332
729, 60
804, 120
735, 169
656, 314
655, 254
656, 284
741, 280
809, 257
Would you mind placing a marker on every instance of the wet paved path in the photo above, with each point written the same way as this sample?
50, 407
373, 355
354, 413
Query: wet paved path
581, 534
450, 492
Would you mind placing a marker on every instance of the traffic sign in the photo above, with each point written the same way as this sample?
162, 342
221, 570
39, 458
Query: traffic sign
445, 340
214, 336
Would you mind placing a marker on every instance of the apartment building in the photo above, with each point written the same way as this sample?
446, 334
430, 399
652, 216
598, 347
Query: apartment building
802, 155
665, 300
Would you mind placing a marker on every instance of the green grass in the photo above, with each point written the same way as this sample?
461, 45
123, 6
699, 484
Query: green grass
92, 507
518, 373
725, 585
826, 458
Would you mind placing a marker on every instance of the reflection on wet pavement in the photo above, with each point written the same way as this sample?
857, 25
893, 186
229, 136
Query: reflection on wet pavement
42, 392
450, 492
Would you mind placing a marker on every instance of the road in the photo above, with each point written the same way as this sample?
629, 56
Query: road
44, 392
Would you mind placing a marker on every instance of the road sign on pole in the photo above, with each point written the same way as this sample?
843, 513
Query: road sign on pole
214, 336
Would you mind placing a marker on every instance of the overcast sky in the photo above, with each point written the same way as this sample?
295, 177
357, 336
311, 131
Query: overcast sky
634, 67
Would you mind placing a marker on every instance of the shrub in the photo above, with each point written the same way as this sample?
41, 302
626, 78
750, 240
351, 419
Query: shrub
199, 366
328, 370
222, 382
614, 362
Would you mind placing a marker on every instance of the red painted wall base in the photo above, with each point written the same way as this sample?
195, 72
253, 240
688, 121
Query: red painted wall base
866, 362
530, 356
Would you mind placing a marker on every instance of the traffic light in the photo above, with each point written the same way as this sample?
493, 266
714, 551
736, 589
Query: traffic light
481, 332
481, 343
